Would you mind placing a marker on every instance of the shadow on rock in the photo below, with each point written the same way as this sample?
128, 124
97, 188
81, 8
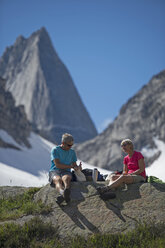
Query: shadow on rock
159, 186
123, 194
73, 211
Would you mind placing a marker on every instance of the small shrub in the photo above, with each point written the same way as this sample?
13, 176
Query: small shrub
143, 236
20, 205
34, 233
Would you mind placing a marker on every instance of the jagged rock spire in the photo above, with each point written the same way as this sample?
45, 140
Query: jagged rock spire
40, 81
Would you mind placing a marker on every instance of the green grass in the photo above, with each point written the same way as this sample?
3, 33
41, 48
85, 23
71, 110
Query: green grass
36, 234
13, 208
143, 236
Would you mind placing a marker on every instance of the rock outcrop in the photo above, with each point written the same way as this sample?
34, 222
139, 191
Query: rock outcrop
87, 213
41, 83
12, 119
141, 119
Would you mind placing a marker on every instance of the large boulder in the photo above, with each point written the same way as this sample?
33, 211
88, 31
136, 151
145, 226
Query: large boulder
87, 213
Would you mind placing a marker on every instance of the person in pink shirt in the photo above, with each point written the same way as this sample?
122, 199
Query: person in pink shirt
133, 171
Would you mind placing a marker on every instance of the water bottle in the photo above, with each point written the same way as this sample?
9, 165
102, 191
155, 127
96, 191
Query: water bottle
94, 175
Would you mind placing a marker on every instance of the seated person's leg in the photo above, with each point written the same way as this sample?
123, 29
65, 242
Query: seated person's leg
57, 181
115, 184
55, 178
138, 179
122, 179
67, 181
113, 178
59, 184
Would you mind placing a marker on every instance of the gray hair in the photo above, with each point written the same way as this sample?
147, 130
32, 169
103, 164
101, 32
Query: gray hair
66, 137
127, 141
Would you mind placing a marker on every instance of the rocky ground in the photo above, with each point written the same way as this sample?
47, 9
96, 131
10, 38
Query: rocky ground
87, 213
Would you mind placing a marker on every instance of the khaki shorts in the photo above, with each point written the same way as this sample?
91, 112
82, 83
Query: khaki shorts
60, 173
138, 178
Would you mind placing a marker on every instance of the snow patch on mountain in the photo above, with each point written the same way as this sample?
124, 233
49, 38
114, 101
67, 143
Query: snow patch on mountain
158, 166
11, 176
28, 167
149, 152
32, 160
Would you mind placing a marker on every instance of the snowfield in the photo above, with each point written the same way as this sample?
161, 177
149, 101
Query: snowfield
158, 167
29, 167
11, 176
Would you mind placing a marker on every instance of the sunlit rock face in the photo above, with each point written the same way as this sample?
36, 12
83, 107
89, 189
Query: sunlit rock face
13, 119
142, 119
40, 82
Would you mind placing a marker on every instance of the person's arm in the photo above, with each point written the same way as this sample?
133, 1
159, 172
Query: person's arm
74, 163
125, 169
141, 167
62, 166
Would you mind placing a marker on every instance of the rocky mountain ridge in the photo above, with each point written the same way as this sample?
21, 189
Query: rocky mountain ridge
40, 82
12, 119
142, 119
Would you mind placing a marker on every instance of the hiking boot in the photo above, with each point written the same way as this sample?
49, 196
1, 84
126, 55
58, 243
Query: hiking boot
67, 195
59, 199
107, 195
103, 189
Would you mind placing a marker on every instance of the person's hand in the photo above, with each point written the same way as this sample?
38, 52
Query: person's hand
76, 167
80, 166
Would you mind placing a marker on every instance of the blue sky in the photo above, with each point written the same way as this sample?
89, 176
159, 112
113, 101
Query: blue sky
110, 47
